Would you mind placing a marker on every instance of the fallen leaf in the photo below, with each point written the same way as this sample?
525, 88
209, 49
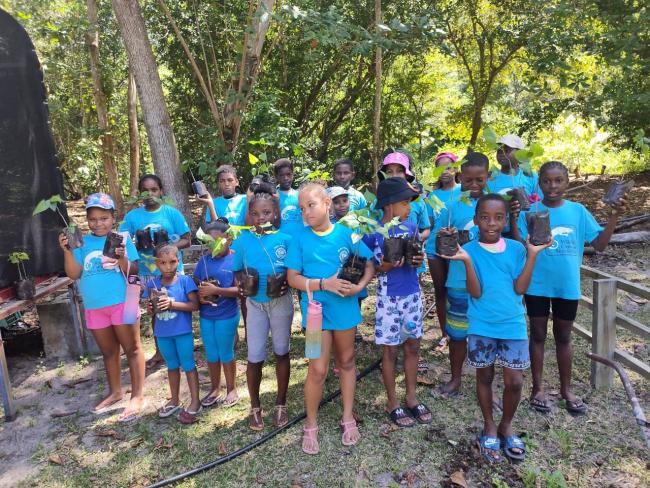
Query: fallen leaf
160, 444
458, 478
222, 449
107, 433
386, 429
56, 459
423, 380
59, 413
74, 383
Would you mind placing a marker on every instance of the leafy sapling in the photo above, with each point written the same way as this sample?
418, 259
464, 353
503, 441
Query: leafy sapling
24, 287
71, 229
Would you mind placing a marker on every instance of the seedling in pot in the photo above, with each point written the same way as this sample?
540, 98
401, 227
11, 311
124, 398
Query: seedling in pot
71, 229
24, 287
145, 198
617, 190
113, 241
160, 238
361, 222
143, 240
449, 238
412, 248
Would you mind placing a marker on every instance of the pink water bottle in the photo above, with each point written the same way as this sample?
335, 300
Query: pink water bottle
131, 312
314, 332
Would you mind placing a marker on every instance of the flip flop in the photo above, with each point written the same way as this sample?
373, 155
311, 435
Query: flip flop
513, 442
105, 408
400, 414
229, 403
419, 411
310, 440
439, 393
576, 407
487, 444
540, 405
348, 429
168, 410
135, 415
188, 417
210, 400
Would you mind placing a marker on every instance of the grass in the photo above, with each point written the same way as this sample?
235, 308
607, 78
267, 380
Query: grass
598, 449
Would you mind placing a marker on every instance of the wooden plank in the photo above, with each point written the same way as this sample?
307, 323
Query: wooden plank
42, 290
586, 302
582, 332
633, 326
603, 328
626, 359
6, 391
633, 288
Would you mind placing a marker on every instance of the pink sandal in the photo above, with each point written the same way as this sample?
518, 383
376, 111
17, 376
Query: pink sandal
349, 429
310, 440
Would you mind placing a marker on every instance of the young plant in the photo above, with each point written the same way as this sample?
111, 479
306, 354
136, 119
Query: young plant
145, 197
18, 259
25, 288
71, 229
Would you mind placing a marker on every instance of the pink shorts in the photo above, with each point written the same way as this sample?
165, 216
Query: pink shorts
100, 318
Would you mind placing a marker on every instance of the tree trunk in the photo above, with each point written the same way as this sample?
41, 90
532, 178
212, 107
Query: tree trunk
477, 120
377, 108
108, 142
156, 118
134, 136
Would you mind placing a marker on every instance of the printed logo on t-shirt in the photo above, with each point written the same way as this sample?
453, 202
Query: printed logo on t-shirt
344, 253
564, 241
280, 252
290, 212
472, 228
93, 263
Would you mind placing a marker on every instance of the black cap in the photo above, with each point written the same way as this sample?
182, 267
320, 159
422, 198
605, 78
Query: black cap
393, 190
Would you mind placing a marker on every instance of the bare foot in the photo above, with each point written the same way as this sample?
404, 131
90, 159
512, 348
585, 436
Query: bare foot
449, 390
111, 399
132, 410
154, 360
231, 398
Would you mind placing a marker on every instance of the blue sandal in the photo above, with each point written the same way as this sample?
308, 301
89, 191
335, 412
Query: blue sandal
490, 448
513, 442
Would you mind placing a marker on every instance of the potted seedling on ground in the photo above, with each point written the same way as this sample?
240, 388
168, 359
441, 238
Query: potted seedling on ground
24, 287
71, 229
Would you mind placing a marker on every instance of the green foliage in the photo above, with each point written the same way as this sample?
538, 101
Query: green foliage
52, 204
145, 196
18, 257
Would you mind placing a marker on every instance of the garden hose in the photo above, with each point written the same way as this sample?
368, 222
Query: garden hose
224, 459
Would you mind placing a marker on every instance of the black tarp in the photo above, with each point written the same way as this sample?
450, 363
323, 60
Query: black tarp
28, 164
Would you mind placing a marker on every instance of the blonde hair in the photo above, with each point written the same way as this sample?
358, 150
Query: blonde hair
318, 186
166, 249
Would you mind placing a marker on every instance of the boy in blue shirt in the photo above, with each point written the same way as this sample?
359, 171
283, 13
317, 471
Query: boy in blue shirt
498, 272
340, 203
230, 205
399, 303
510, 176
290, 214
343, 175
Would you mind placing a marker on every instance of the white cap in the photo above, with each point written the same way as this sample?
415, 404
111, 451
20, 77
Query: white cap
336, 191
513, 141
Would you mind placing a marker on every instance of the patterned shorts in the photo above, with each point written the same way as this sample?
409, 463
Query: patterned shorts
457, 325
486, 351
398, 319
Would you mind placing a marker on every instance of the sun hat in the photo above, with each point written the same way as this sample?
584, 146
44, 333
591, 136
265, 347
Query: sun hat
513, 141
100, 200
446, 154
394, 189
400, 159
336, 191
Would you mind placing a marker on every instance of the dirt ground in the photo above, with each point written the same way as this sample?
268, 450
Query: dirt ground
57, 441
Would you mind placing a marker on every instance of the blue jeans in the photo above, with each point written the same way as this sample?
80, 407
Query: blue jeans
219, 338
178, 351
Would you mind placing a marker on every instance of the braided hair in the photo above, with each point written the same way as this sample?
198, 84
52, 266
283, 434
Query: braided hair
554, 165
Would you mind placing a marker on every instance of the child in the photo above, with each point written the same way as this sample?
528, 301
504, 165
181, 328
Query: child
290, 216
447, 188
264, 250
219, 315
502, 181
173, 329
146, 223
343, 175
263, 183
102, 283
498, 272
555, 284
399, 303
230, 204
458, 214
314, 258
340, 202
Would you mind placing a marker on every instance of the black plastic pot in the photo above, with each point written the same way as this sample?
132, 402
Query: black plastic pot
394, 249
275, 285
210, 281
539, 227
25, 289
143, 241
155, 295
75, 237
412, 248
519, 194
199, 189
249, 280
463, 237
160, 237
113, 241
353, 269
447, 241
617, 190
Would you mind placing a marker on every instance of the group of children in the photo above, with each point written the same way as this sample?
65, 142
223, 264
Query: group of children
275, 238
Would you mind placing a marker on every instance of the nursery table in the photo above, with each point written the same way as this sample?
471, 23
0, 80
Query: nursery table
10, 307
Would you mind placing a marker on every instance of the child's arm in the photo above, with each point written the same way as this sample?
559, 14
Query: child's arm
70, 265
210, 290
332, 284
600, 242
168, 303
209, 202
368, 273
523, 280
473, 285
123, 261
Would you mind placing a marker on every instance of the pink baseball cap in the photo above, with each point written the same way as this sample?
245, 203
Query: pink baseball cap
401, 159
446, 154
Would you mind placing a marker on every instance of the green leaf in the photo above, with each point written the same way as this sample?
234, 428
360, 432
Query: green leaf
435, 203
490, 137
252, 159
370, 197
42, 206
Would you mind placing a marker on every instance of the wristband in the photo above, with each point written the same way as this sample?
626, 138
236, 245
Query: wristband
320, 284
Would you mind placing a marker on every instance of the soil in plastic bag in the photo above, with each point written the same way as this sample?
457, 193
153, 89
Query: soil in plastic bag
447, 241
275, 284
249, 280
617, 190
393, 249
353, 269
25, 289
143, 240
199, 189
519, 194
113, 241
539, 227
75, 237
412, 248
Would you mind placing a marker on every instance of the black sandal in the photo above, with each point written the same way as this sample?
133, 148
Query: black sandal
400, 414
419, 411
540, 405
576, 407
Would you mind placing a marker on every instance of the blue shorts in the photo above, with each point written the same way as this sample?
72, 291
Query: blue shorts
218, 338
398, 319
456, 326
486, 351
178, 351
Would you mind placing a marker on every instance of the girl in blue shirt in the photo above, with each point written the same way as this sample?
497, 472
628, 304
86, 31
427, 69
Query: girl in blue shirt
555, 285
173, 329
219, 316
230, 205
102, 283
264, 250
314, 258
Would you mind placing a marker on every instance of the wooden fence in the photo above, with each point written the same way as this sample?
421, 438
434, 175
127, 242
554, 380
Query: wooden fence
605, 320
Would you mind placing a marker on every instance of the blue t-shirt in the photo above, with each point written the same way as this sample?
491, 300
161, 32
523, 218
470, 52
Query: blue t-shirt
290, 214
356, 199
500, 182
263, 253
499, 312
321, 256
557, 269
398, 282
219, 269
173, 322
233, 208
445, 197
100, 287
419, 215
165, 217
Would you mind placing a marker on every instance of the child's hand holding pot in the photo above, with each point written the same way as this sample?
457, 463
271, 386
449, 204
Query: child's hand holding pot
164, 303
336, 285
208, 290
63, 242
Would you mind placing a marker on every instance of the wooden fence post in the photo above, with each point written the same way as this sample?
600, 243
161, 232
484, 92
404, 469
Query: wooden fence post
6, 392
603, 340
